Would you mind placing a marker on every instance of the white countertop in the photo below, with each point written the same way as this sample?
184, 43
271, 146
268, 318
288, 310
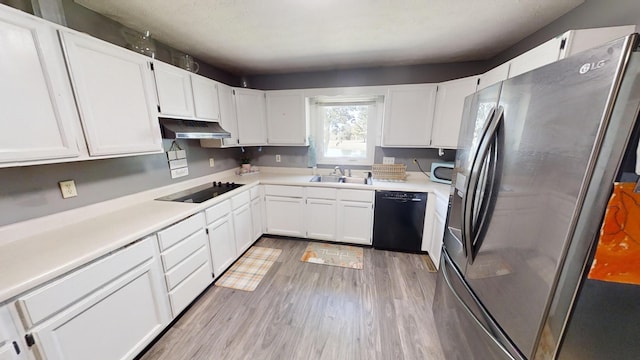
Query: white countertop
39, 250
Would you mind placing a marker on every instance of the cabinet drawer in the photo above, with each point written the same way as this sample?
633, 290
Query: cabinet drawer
186, 267
321, 193
218, 211
174, 233
46, 301
255, 192
189, 289
280, 190
176, 254
239, 200
355, 195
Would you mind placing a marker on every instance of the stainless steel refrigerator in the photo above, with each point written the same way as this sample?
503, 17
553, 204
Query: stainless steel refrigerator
538, 157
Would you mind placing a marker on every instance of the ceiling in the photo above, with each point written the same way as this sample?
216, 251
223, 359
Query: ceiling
249, 37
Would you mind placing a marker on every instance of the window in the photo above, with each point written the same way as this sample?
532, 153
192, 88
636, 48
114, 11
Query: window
344, 130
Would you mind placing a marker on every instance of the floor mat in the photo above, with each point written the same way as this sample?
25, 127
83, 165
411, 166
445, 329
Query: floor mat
249, 270
334, 255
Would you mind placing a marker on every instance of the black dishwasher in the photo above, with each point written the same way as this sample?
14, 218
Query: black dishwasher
398, 220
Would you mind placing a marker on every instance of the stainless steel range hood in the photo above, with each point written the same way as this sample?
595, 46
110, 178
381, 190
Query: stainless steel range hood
192, 129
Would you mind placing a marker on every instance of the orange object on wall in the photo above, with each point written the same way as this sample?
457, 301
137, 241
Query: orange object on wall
617, 257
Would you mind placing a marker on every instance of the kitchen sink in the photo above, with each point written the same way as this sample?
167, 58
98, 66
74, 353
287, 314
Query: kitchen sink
341, 179
325, 178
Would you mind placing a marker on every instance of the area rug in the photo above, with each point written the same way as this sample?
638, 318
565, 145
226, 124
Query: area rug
249, 270
334, 255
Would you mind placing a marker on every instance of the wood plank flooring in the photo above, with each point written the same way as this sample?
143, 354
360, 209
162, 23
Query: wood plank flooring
311, 311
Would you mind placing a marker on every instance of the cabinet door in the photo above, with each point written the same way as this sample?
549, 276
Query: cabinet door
250, 111
537, 57
256, 217
243, 228
222, 244
9, 335
37, 109
286, 120
408, 115
205, 98
355, 220
435, 250
228, 118
115, 95
493, 76
174, 90
321, 219
115, 322
284, 216
448, 113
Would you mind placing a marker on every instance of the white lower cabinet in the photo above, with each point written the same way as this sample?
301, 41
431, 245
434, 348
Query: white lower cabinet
284, 208
355, 216
12, 346
355, 221
257, 207
223, 244
113, 321
321, 219
243, 228
434, 223
185, 260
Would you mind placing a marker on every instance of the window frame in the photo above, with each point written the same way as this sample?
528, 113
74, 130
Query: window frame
376, 110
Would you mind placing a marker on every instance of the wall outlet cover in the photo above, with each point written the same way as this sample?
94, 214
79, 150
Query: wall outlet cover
68, 189
211, 162
278, 158
388, 160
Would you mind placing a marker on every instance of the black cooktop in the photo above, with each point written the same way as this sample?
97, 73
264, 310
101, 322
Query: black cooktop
201, 193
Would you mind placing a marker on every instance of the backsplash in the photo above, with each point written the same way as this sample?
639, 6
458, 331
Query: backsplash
32, 191
296, 156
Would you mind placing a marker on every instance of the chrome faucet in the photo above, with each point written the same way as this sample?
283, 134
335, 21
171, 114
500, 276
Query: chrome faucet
338, 168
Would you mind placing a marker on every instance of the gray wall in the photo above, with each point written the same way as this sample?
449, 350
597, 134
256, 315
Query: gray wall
32, 191
413, 74
591, 14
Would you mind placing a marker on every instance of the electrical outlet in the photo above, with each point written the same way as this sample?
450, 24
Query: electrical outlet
388, 160
68, 188
211, 162
278, 159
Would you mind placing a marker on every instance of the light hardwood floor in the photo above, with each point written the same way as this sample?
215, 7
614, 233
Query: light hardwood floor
311, 311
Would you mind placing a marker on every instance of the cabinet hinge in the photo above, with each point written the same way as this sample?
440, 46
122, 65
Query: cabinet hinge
152, 68
563, 43
206, 231
16, 348
478, 82
30, 340
159, 109
233, 92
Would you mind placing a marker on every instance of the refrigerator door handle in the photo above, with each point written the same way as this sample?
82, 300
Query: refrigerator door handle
473, 316
488, 186
489, 137
465, 232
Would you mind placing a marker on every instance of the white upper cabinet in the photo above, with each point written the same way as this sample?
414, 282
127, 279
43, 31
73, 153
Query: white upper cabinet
286, 118
205, 98
539, 56
567, 44
494, 76
174, 90
228, 119
408, 115
37, 112
115, 95
448, 113
250, 112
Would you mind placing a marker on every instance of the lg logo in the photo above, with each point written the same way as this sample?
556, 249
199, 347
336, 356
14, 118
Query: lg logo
591, 66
